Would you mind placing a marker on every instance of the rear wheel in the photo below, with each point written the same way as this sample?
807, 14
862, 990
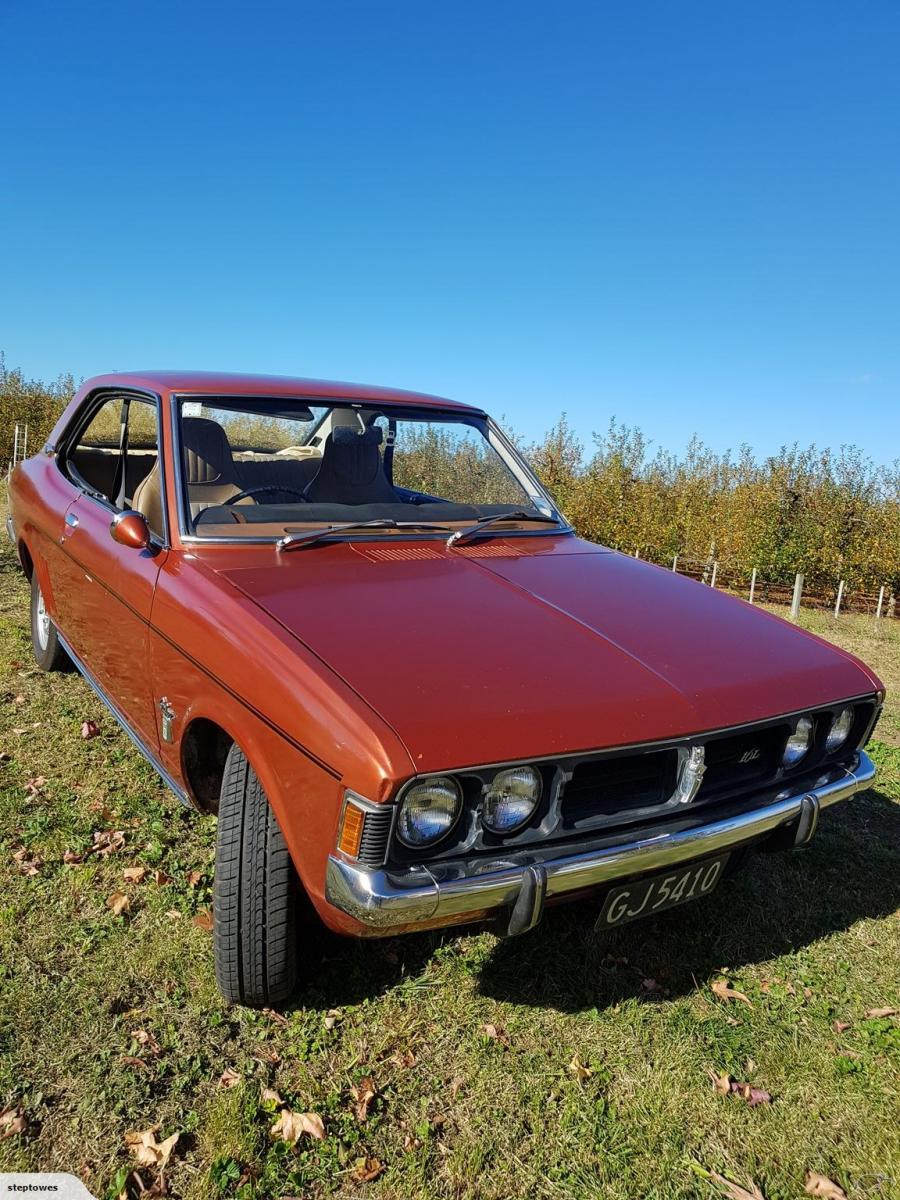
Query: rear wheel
256, 893
48, 652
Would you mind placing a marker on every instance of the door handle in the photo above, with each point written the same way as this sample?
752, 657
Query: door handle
72, 520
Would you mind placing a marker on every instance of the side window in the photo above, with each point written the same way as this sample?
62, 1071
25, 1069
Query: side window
129, 479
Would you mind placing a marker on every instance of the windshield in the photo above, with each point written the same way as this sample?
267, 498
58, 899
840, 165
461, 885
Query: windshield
264, 468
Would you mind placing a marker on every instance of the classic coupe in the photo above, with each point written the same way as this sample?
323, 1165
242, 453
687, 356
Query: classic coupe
351, 623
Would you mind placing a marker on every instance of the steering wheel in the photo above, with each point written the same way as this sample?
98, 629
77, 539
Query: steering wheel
266, 487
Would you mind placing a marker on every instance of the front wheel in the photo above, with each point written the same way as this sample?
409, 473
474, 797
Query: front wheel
255, 896
48, 652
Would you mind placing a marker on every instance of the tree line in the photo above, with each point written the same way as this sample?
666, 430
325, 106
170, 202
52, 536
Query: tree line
831, 514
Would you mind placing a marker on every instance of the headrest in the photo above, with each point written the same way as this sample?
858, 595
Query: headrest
347, 435
207, 452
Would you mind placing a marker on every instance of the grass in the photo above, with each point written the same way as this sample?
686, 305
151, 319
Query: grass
470, 1040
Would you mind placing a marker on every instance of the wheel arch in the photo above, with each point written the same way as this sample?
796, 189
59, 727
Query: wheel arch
25, 560
204, 748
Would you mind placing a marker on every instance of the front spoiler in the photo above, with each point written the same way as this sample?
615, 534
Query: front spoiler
450, 893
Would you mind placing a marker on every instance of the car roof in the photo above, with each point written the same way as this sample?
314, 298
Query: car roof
218, 383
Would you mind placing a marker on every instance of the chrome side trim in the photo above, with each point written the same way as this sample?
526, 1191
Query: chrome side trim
136, 740
454, 892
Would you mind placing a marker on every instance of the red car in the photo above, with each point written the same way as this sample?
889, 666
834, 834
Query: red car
351, 622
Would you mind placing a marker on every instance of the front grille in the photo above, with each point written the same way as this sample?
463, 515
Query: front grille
614, 786
615, 791
375, 834
741, 759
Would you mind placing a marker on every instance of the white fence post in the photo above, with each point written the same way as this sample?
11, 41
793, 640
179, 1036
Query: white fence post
636, 555
880, 604
712, 582
840, 596
16, 445
25, 444
752, 585
675, 564
798, 592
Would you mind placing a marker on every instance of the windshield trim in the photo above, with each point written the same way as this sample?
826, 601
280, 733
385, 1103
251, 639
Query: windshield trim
492, 433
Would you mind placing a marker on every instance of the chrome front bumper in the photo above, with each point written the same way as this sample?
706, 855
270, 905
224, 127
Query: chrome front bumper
521, 883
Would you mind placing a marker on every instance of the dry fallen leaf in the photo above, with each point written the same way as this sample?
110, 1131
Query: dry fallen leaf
134, 874
106, 842
33, 786
724, 991
194, 878
277, 1017
203, 920
405, 1059
147, 1151
456, 1084
291, 1126
146, 1040
734, 1191
840, 1026
724, 1085
364, 1094
160, 878
26, 862
577, 1068
229, 1078
366, 1169
752, 1095
12, 1123
89, 729
721, 1083
271, 1096
495, 1033
332, 1017
20, 699
821, 1185
119, 903
131, 1060
882, 1012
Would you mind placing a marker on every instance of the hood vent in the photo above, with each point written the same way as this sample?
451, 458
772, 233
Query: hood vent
398, 553
401, 553
489, 550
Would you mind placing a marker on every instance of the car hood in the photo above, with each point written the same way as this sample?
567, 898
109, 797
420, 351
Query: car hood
530, 647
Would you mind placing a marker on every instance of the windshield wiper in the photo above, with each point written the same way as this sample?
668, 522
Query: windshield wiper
293, 541
465, 535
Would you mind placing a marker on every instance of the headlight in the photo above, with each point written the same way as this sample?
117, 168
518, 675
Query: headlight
798, 743
840, 730
429, 810
511, 799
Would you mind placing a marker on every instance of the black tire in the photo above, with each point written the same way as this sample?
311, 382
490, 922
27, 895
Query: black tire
48, 653
255, 896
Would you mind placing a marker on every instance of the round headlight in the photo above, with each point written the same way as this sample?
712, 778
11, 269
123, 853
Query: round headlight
429, 810
840, 730
511, 799
798, 743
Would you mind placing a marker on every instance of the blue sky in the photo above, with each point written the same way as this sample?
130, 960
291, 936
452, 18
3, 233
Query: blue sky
684, 215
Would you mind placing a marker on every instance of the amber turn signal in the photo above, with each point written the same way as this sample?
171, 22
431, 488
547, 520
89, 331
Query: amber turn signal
351, 830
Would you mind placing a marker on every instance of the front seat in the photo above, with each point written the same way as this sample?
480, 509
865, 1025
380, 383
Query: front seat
351, 470
210, 472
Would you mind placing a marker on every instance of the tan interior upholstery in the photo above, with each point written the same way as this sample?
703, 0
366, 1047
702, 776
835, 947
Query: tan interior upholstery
211, 473
148, 499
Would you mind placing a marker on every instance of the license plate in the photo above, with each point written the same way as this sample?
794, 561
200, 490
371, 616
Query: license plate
647, 896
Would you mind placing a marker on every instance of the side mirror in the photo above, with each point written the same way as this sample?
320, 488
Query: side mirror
130, 528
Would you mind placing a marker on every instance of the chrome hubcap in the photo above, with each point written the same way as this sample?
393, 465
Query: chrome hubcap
43, 622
